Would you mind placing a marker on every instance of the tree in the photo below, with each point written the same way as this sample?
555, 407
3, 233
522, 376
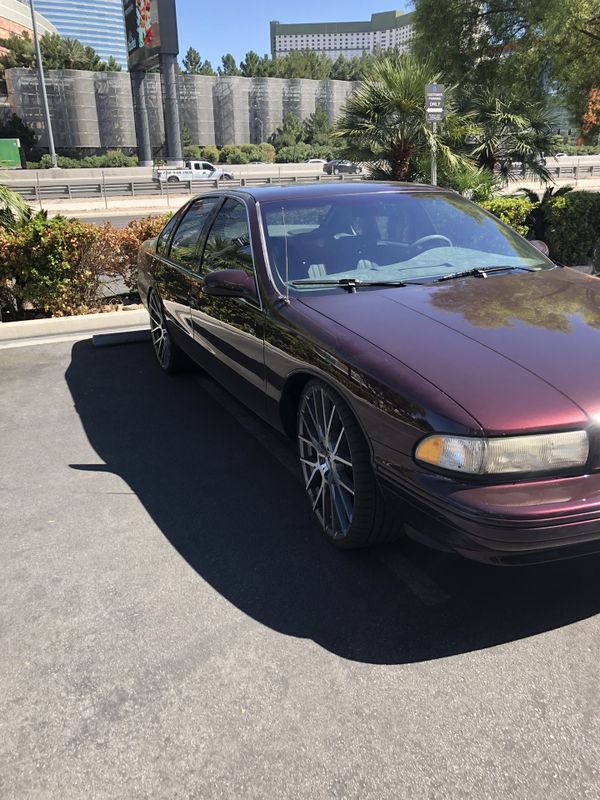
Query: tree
538, 217
340, 69
572, 45
484, 42
508, 135
521, 47
290, 133
228, 66
384, 120
192, 62
207, 68
111, 65
318, 130
19, 51
303, 64
186, 137
250, 67
57, 53
14, 211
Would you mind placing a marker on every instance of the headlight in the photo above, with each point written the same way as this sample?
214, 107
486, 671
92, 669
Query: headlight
545, 452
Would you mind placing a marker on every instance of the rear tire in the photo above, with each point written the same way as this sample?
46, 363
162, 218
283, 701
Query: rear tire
168, 354
172, 179
338, 474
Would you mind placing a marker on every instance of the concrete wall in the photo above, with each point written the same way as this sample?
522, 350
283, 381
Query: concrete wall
94, 110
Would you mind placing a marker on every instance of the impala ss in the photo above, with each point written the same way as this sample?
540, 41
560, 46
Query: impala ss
440, 375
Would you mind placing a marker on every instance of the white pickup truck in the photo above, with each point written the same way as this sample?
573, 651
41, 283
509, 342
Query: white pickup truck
192, 171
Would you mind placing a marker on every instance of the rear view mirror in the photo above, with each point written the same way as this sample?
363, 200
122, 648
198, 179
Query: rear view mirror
541, 246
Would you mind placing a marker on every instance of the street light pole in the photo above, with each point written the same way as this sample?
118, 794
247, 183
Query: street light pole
38, 57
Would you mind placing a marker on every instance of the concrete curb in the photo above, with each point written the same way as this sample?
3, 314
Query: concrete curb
61, 326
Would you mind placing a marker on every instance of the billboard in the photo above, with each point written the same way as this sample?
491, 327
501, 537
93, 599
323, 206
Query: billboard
150, 29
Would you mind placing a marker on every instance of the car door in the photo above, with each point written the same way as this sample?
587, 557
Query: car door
229, 331
176, 258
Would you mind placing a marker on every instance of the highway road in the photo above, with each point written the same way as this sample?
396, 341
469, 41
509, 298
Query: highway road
116, 220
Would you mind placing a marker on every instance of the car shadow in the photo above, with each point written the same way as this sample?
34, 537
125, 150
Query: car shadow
242, 523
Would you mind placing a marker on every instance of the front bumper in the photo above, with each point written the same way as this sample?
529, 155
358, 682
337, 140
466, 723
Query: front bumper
519, 523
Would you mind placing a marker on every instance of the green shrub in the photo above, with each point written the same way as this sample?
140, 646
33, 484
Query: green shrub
267, 152
192, 152
478, 185
210, 153
573, 227
295, 153
44, 264
58, 265
233, 154
112, 158
514, 211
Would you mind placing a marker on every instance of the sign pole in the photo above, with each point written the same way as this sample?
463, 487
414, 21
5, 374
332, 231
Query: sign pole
434, 113
434, 156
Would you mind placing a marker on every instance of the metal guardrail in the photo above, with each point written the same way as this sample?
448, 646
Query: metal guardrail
77, 188
577, 172
39, 190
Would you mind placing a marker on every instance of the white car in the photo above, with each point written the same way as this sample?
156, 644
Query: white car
193, 171
316, 161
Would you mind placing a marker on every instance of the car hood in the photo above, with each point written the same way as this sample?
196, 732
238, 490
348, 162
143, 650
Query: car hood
517, 351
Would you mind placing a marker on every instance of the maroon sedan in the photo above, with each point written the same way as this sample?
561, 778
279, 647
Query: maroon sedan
440, 375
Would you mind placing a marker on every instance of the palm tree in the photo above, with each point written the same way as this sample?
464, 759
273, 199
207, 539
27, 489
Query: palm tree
511, 140
539, 214
384, 123
14, 211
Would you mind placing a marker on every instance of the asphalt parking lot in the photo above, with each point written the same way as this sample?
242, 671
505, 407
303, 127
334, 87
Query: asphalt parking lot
172, 625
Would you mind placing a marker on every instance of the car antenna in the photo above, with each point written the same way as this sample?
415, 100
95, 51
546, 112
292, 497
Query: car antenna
287, 262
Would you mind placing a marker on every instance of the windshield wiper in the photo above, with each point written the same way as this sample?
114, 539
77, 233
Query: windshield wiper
350, 284
480, 272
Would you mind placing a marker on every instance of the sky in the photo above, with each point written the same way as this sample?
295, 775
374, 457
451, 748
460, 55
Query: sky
236, 26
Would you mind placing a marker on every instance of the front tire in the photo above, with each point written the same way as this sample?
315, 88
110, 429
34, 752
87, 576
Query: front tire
337, 470
168, 355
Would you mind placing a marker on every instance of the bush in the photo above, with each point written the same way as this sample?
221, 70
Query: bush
267, 152
113, 158
44, 263
210, 153
192, 152
295, 154
573, 227
514, 211
478, 185
58, 265
233, 154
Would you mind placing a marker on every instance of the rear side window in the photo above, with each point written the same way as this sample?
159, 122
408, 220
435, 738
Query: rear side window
162, 245
184, 246
228, 243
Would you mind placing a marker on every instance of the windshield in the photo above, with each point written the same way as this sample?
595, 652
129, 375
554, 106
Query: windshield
387, 236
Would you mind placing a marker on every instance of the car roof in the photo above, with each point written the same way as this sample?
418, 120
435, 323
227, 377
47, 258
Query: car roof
301, 191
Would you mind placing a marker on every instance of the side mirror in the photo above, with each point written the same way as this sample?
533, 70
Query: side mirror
541, 246
229, 283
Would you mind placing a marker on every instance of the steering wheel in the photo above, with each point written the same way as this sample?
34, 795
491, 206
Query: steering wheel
431, 237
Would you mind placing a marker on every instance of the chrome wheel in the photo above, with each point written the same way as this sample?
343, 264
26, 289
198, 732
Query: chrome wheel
158, 331
326, 461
